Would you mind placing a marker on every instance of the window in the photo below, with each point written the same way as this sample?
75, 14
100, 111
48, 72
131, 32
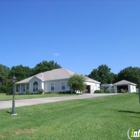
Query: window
63, 86
17, 88
27, 87
52, 86
35, 86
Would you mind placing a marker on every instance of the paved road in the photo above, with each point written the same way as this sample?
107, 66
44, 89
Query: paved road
27, 102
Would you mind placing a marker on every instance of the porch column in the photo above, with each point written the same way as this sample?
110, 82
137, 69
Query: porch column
115, 89
129, 89
25, 88
20, 88
30, 87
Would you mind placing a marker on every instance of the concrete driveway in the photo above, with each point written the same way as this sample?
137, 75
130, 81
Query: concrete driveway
27, 102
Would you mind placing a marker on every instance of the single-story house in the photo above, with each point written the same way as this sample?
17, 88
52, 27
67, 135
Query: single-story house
124, 86
52, 81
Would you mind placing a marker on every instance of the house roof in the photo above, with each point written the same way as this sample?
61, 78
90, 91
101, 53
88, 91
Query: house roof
124, 82
91, 80
55, 74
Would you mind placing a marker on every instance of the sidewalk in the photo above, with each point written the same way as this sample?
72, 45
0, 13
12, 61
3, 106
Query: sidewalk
27, 102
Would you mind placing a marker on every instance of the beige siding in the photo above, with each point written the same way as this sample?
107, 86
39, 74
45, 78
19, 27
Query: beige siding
57, 86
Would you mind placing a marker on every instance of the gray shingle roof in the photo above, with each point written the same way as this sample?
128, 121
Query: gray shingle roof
91, 80
124, 82
55, 74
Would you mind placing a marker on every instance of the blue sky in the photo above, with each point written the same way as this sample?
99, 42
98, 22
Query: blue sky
79, 35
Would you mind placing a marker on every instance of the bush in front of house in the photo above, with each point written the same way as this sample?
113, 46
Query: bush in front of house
28, 92
3, 89
61, 92
99, 91
40, 91
67, 92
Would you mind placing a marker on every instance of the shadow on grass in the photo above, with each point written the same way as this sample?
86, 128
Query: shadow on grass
135, 117
8, 112
126, 111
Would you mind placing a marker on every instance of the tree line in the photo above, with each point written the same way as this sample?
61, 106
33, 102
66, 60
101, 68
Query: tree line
102, 74
21, 72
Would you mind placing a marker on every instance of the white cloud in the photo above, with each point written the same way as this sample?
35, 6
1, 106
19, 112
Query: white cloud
56, 54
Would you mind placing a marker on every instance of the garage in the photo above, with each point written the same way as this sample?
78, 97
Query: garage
122, 89
91, 85
124, 86
88, 89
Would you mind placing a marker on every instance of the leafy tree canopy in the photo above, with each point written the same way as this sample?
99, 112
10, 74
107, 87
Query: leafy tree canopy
76, 82
103, 74
20, 72
131, 74
4, 72
45, 66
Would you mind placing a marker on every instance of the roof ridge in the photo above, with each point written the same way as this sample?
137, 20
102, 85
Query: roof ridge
68, 71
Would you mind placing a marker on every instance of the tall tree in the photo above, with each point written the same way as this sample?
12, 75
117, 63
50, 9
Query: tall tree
131, 74
103, 74
4, 72
20, 72
45, 66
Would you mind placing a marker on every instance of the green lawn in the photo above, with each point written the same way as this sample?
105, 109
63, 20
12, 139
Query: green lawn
103, 118
4, 97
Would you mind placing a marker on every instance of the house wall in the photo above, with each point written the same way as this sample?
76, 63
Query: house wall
40, 84
132, 88
93, 86
57, 86
22, 88
46, 86
115, 89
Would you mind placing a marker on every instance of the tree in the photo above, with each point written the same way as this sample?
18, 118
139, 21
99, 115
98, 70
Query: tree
5, 81
45, 66
21, 72
131, 74
4, 72
103, 74
76, 82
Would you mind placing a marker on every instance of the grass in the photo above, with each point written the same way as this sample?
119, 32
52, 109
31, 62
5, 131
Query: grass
4, 97
103, 118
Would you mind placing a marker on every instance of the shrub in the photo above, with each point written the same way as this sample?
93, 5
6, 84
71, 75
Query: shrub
2, 89
40, 91
9, 90
28, 92
66, 92
47, 92
16, 93
99, 91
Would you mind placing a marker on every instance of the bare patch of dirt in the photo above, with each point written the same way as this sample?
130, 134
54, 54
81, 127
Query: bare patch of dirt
18, 132
2, 136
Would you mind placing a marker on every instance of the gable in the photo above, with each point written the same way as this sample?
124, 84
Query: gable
124, 82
